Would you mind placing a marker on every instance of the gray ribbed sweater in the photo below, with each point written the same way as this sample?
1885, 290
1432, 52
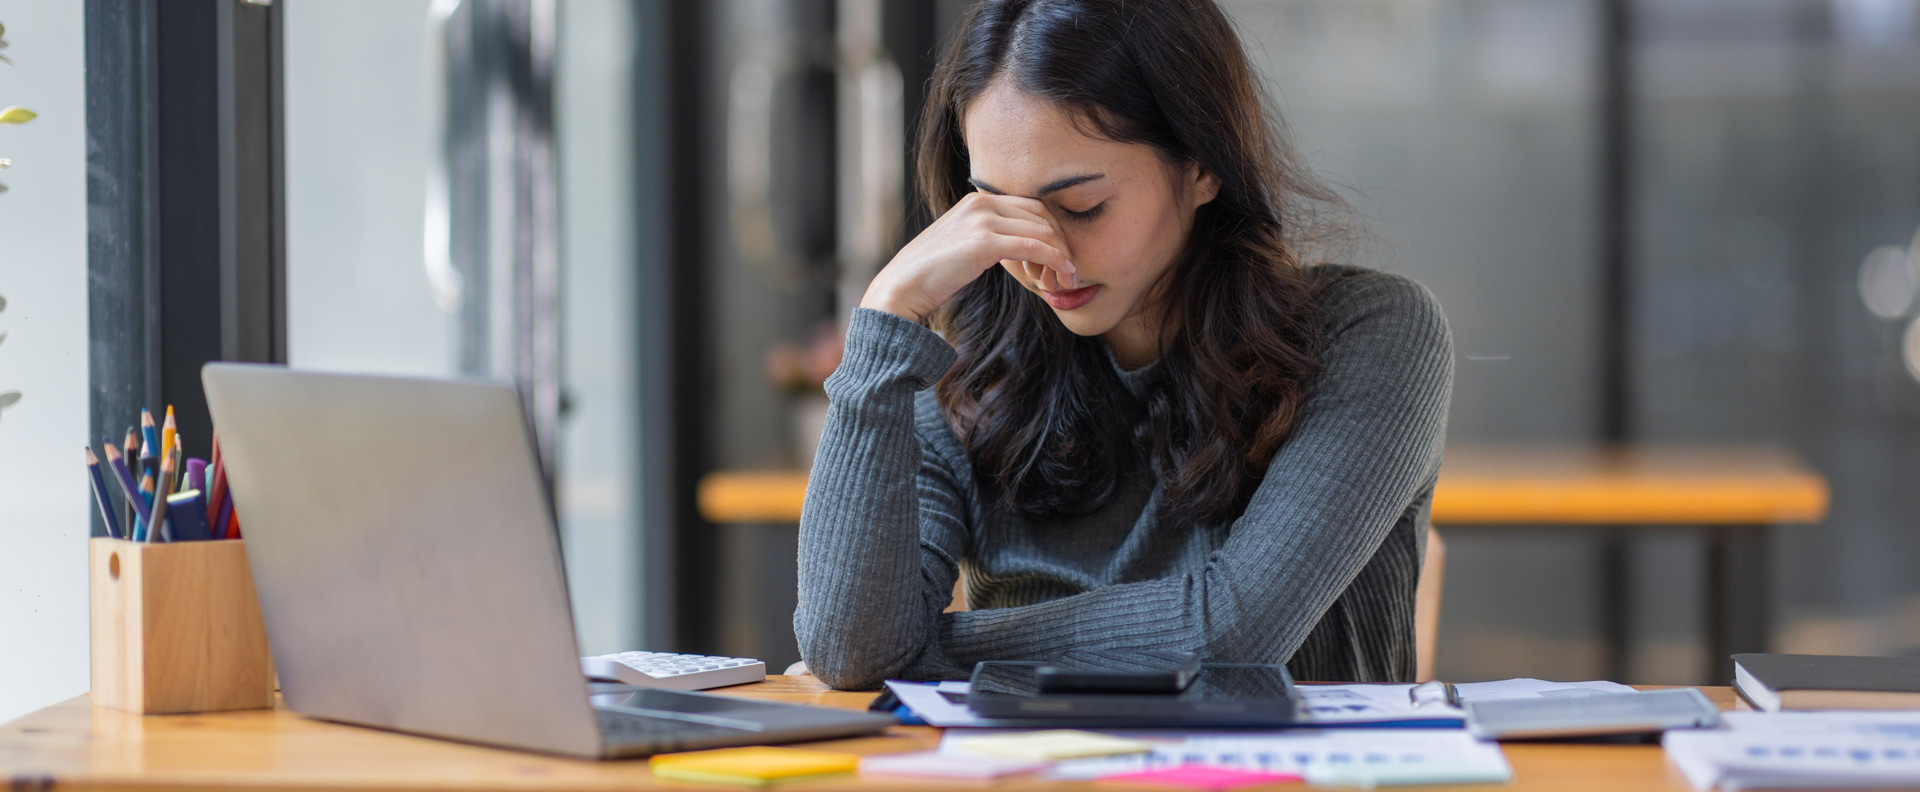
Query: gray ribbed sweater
1318, 572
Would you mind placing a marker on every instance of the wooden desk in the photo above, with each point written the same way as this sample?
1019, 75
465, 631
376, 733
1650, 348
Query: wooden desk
1732, 493
74, 745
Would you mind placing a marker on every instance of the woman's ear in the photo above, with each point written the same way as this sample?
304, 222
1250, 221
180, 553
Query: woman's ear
1204, 184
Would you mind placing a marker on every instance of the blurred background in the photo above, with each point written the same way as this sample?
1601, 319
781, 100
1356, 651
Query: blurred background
1648, 221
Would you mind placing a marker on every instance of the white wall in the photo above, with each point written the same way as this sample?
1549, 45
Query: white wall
43, 274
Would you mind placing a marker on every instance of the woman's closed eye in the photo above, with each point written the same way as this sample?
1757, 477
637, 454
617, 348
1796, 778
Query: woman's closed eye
1084, 216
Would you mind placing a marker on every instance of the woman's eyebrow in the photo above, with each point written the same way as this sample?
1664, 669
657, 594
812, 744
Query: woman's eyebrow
1051, 187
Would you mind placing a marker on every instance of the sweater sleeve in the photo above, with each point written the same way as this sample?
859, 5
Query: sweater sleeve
883, 524
1366, 445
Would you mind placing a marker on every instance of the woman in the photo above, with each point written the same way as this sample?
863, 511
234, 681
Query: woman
1149, 425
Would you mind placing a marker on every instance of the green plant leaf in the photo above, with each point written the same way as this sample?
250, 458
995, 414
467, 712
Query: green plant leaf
9, 398
17, 115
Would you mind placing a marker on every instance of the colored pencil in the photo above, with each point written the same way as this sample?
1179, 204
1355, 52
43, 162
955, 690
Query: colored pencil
100, 495
149, 437
229, 518
169, 440
157, 527
128, 488
149, 459
132, 450
146, 491
216, 488
146, 494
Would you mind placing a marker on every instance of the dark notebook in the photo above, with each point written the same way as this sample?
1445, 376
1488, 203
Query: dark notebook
1774, 682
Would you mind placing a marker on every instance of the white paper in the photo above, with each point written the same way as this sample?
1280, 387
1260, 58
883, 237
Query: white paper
1760, 750
1535, 688
1339, 705
936, 763
1323, 704
927, 702
1363, 756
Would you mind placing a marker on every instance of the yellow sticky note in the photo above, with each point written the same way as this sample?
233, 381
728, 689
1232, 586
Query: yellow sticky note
756, 766
1055, 744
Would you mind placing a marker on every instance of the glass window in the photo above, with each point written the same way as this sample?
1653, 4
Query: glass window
44, 497
1465, 134
359, 142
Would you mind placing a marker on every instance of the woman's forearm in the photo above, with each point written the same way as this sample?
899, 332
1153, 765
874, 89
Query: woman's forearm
862, 614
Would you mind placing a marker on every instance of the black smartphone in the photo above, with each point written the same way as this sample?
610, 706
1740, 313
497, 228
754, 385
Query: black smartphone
1221, 694
1116, 671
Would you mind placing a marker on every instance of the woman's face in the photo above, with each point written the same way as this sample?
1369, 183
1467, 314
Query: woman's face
1124, 211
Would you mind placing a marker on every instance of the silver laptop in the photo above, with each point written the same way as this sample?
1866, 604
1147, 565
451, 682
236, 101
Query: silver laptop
405, 554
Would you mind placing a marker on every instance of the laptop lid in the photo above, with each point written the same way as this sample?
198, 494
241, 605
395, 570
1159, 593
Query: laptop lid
405, 554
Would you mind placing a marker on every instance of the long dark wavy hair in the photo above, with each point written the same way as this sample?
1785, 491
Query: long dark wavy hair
1042, 415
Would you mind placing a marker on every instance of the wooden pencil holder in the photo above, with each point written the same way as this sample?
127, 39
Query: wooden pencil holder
176, 628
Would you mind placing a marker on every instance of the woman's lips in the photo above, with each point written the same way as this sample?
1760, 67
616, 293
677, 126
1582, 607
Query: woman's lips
1069, 300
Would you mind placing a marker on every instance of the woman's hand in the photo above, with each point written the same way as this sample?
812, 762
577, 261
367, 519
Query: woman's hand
978, 232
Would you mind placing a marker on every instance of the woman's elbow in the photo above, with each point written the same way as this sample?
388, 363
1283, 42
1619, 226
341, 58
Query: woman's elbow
852, 660
847, 670
847, 677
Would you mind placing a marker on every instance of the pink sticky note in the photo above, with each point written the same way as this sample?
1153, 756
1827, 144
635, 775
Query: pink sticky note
1203, 777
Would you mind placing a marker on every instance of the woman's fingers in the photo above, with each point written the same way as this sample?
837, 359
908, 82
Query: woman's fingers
1025, 209
1034, 242
1016, 206
1037, 252
1028, 227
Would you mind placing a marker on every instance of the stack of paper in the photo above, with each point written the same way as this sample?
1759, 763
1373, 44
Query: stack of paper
1526, 687
1352, 757
1371, 705
942, 765
944, 705
1051, 744
1798, 750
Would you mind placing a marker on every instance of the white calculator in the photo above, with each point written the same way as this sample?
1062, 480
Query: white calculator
670, 671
